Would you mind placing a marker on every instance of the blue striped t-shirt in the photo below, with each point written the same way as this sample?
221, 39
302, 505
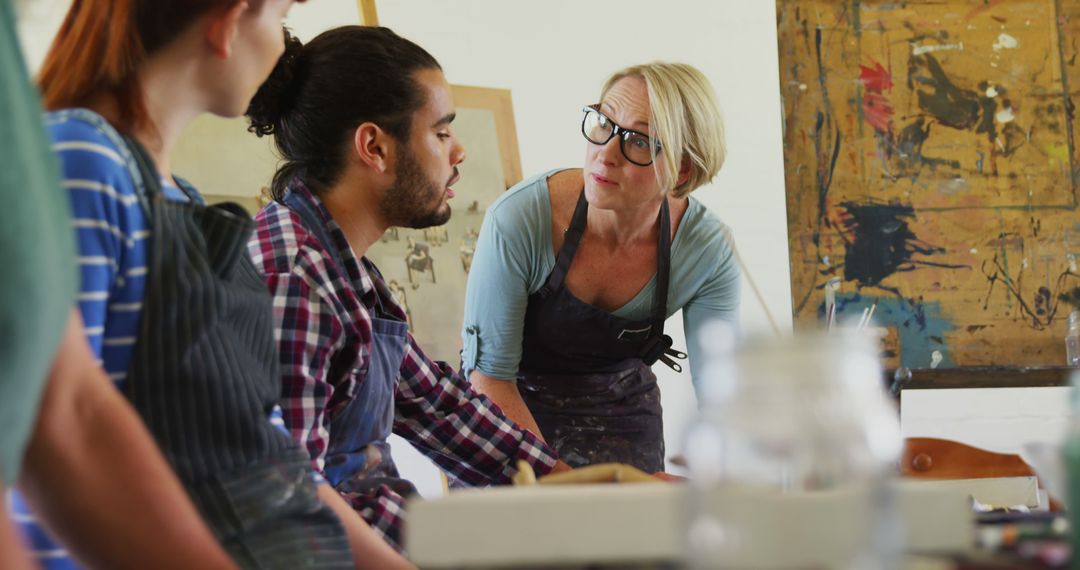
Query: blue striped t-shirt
113, 248
112, 233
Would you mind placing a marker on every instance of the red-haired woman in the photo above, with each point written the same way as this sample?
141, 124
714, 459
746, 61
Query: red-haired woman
172, 306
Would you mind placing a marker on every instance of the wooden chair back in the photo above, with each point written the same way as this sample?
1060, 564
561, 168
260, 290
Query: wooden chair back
932, 458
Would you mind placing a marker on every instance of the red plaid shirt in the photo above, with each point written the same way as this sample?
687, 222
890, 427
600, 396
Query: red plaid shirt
323, 316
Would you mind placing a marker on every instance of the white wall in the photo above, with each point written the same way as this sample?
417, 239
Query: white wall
38, 22
996, 419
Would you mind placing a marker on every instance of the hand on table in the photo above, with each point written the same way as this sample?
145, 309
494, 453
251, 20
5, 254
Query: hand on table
668, 477
561, 467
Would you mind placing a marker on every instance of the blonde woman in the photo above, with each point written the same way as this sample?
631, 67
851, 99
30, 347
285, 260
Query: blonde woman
576, 270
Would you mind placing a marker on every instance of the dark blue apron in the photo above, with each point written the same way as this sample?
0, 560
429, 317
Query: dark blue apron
358, 455
585, 374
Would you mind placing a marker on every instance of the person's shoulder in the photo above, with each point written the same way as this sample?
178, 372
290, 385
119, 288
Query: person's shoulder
94, 169
90, 149
85, 131
280, 237
706, 234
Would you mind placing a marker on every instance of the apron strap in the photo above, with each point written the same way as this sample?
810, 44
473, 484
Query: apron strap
193, 196
663, 256
147, 179
144, 174
571, 240
314, 223
658, 346
663, 266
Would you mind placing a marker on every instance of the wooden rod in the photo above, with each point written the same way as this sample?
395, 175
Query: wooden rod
368, 15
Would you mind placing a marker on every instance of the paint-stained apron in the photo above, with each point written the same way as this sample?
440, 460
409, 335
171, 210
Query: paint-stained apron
358, 456
585, 373
204, 377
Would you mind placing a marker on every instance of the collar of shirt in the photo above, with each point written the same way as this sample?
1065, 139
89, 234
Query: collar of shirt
365, 278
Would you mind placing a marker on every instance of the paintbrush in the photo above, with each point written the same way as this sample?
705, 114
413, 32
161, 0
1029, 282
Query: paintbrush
862, 319
830, 302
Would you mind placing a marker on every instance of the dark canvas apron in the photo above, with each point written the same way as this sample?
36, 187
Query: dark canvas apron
204, 378
585, 373
358, 456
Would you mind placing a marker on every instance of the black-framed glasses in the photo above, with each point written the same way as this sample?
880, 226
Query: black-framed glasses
638, 148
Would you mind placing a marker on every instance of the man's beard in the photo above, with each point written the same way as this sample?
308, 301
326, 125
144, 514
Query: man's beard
414, 201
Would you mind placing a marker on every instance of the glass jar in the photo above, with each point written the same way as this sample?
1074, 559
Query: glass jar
1072, 340
790, 457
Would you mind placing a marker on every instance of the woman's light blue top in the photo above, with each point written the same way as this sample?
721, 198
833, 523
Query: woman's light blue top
514, 257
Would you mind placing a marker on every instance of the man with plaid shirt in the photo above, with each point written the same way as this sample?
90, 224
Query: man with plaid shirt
367, 145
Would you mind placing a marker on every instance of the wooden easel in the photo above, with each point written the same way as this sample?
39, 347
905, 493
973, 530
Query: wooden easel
368, 15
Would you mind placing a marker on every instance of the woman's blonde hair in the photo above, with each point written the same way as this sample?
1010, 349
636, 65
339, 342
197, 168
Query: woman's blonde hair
684, 117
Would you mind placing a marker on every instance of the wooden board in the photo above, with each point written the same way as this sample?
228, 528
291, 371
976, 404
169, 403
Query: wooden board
622, 526
499, 102
931, 168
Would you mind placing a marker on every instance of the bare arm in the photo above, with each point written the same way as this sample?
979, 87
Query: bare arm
369, 549
505, 394
93, 473
12, 554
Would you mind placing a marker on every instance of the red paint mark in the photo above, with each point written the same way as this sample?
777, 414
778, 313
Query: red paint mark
876, 79
980, 9
878, 112
877, 109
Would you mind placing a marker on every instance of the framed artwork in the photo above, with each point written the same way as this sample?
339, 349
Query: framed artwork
931, 171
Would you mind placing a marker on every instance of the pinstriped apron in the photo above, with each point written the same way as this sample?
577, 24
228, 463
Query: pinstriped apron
358, 456
585, 374
204, 378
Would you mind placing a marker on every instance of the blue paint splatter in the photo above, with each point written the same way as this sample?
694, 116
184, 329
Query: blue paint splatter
921, 326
